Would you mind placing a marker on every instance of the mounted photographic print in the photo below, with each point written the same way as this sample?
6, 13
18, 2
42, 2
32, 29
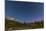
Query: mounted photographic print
21, 15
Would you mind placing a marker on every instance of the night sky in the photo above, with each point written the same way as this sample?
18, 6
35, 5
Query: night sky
26, 11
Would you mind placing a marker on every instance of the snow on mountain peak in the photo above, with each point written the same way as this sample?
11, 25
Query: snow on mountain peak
10, 18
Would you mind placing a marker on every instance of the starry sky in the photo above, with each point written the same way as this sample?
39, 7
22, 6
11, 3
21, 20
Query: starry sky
26, 11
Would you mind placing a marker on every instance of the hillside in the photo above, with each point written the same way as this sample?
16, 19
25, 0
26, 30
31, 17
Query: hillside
17, 25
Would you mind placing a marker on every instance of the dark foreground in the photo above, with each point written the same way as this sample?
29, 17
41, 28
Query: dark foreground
20, 26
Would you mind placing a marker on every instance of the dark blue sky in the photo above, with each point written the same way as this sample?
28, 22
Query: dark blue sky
26, 11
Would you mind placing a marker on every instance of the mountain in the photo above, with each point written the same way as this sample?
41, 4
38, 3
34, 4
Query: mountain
10, 23
14, 19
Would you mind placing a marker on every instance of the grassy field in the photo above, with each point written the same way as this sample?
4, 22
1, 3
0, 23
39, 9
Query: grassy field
16, 25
